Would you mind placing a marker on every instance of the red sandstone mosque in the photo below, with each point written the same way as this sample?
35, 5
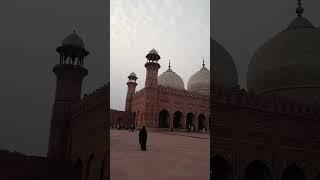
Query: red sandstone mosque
271, 130
268, 132
164, 102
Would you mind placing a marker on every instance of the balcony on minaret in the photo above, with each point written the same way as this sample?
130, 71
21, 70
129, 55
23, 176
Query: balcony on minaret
72, 51
70, 70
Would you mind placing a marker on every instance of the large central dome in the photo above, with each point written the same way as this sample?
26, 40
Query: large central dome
289, 63
170, 79
224, 71
200, 81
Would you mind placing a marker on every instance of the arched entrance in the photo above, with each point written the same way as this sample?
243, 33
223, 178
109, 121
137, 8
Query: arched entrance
177, 119
220, 169
257, 170
189, 121
163, 119
201, 122
293, 172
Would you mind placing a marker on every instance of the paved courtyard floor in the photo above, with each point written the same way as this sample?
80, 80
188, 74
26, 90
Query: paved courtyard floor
168, 156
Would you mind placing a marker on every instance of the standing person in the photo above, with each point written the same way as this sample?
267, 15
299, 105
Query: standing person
143, 135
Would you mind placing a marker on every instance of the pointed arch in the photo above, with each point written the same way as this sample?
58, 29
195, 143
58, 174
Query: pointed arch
177, 119
164, 119
189, 120
201, 122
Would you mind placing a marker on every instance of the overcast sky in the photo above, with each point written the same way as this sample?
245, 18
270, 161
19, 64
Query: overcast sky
31, 30
30, 33
178, 29
242, 26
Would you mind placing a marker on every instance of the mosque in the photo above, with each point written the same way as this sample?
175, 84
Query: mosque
267, 132
164, 102
271, 130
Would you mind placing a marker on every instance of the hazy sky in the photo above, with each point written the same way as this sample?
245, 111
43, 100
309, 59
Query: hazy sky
30, 33
242, 26
178, 29
31, 30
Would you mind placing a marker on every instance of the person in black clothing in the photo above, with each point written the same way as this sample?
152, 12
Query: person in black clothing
143, 135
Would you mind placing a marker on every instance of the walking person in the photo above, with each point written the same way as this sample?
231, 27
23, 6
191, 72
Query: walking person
143, 135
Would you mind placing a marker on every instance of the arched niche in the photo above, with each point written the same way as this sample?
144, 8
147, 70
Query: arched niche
201, 122
164, 119
190, 120
177, 119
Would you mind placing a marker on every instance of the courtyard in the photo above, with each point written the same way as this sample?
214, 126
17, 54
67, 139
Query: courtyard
175, 156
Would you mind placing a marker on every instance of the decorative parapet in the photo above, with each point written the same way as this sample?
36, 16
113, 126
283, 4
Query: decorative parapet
274, 103
139, 93
181, 92
90, 101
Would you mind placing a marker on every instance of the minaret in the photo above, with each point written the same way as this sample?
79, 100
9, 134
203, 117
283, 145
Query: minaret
131, 90
152, 69
70, 73
151, 89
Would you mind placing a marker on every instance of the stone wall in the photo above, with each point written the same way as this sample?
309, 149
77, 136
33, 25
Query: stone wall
251, 131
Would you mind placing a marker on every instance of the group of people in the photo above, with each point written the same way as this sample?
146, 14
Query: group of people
191, 129
123, 127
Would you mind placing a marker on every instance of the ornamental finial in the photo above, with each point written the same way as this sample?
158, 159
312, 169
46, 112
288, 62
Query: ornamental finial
203, 62
299, 9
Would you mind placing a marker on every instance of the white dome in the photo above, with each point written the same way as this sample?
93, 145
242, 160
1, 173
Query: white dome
224, 71
170, 79
288, 64
200, 82
73, 40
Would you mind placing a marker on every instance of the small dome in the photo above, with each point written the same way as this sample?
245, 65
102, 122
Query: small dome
132, 76
200, 82
170, 79
153, 51
73, 40
288, 64
153, 55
